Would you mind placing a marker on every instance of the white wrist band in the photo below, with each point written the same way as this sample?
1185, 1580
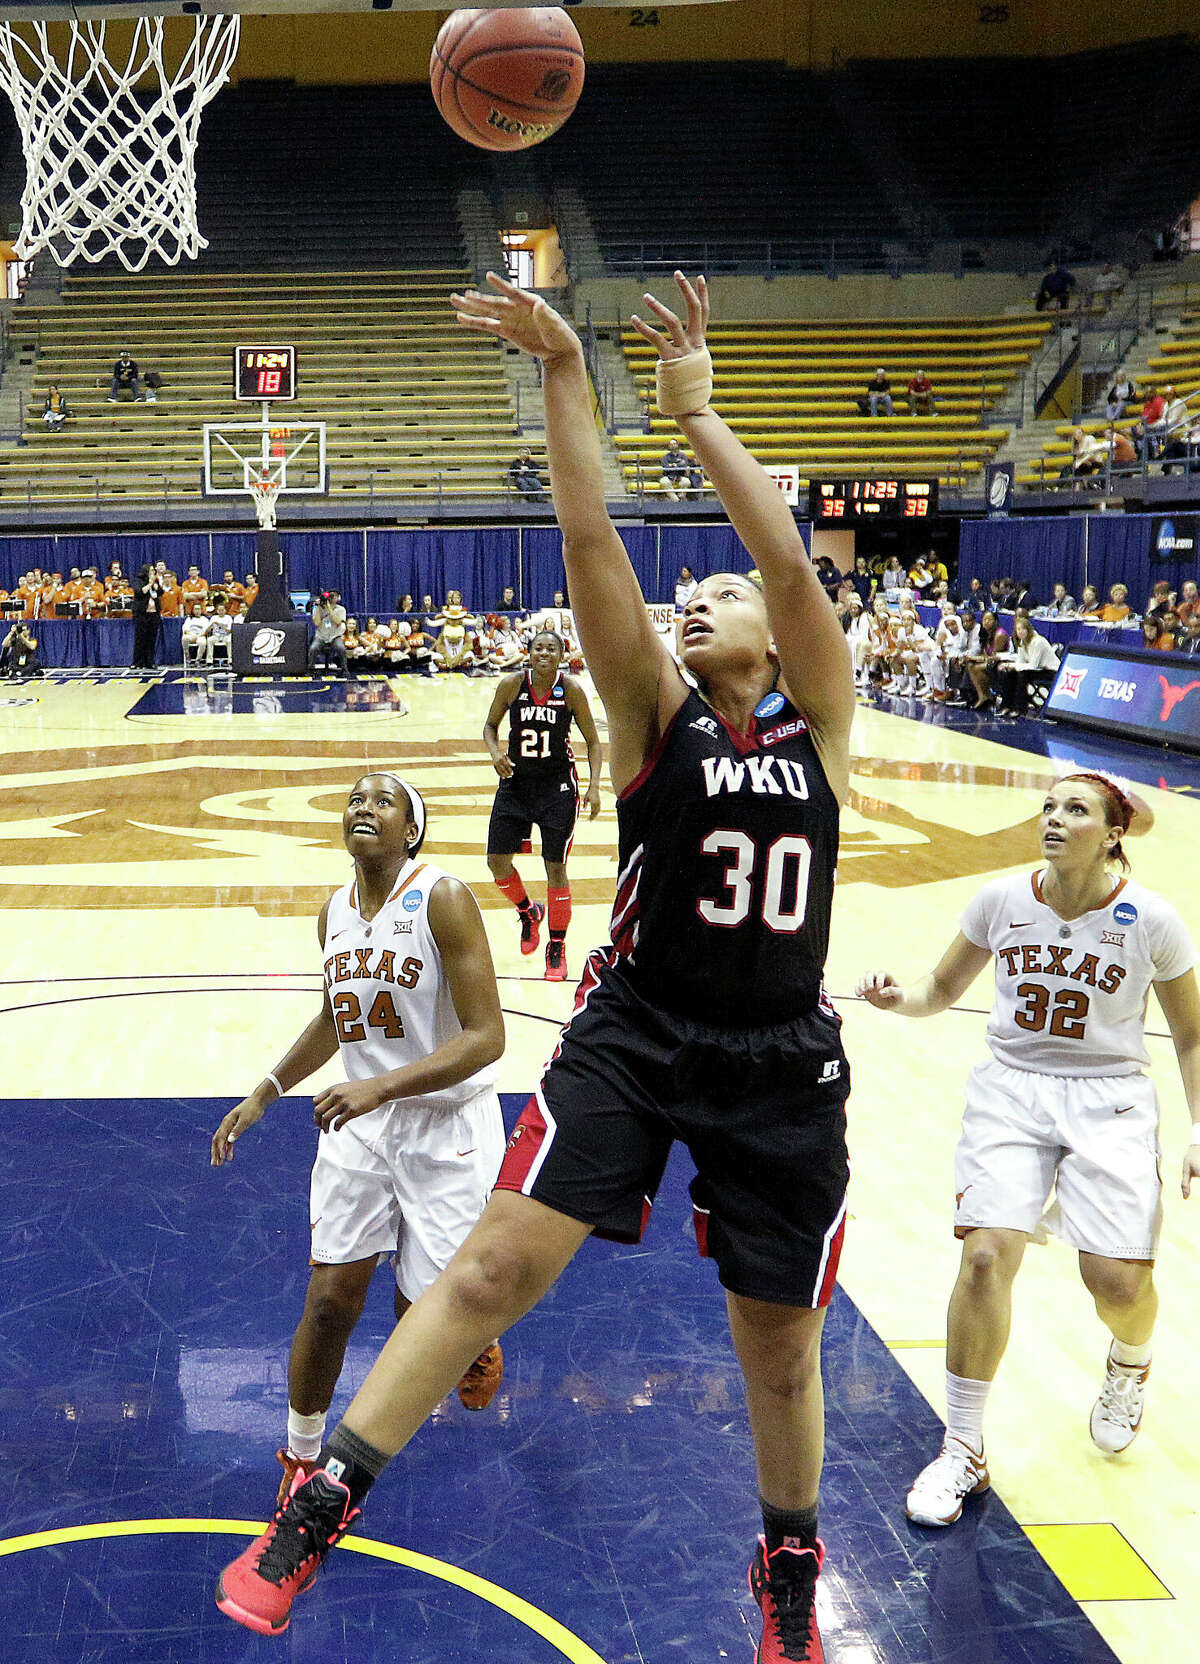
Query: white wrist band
683, 386
274, 1080
1195, 1138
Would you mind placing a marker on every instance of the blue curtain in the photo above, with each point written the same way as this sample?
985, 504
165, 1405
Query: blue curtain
1044, 551
235, 550
326, 560
19, 555
1119, 552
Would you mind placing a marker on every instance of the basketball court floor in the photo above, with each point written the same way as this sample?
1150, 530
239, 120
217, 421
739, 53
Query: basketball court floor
164, 849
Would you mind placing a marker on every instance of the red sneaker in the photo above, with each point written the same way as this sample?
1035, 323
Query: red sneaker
531, 926
258, 1588
478, 1386
556, 961
291, 1465
785, 1585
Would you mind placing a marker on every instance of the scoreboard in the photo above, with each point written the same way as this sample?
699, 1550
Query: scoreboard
264, 373
876, 498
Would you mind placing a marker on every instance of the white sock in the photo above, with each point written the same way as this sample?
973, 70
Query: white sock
965, 1403
305, 1434
1133, 1357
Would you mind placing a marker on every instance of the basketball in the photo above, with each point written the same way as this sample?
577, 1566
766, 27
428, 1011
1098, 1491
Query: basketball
505, 80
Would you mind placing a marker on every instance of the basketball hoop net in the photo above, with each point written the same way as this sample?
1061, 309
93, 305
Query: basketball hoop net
110, 147
265, 493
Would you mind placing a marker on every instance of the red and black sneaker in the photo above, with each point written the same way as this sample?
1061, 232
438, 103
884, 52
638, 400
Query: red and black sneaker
785, 1585
531, 926
556, 960
258, 1588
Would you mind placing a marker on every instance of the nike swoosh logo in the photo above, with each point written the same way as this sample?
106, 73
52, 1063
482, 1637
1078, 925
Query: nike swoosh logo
1124, 1111
471, 1151
1023, 924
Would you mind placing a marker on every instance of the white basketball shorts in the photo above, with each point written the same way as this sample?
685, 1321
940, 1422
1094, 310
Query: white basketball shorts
410, 1181
1093, 1142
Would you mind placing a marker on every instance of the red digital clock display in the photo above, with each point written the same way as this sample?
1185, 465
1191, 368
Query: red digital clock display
264, 373
871, 499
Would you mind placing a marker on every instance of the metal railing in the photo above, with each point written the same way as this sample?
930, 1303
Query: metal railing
765, 257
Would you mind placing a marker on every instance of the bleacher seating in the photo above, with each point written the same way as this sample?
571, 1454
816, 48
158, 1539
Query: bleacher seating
790, 391
414, 405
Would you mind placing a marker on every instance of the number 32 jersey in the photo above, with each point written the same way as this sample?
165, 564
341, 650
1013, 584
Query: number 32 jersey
391, 1002
1071, 993
728, 848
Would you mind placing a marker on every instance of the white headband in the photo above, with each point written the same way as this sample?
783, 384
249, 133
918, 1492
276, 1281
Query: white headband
416, 803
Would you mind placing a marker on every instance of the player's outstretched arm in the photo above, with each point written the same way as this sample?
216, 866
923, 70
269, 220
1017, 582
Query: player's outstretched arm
943, 987
1180, 1002
813, 654
457, 927
626, 659
506, 691
311, 1052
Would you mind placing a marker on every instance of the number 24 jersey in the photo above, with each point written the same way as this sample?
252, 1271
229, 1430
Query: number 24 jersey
1071, 993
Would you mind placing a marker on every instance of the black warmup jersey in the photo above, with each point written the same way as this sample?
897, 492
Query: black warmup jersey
538, 728
728, 847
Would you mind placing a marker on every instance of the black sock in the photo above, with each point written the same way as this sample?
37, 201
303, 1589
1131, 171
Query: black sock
558, 935
795, 1525
526, 906
352, 1460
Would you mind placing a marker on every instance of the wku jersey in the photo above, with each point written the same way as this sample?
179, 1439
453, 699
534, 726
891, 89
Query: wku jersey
1071, 993
728, 847
538, 726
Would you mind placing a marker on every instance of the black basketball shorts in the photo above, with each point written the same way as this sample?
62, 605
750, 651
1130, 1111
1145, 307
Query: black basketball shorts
762, 1112
549, 801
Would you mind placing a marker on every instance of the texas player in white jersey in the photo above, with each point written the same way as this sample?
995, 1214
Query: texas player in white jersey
412, 1140
1063, 1106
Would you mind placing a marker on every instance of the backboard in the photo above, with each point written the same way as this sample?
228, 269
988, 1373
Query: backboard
292, 453
45, 11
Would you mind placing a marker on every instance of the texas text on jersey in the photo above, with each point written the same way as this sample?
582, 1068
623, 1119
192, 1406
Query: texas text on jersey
728, 846
538, 729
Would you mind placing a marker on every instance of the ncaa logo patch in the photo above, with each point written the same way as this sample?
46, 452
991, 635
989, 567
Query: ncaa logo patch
1125, 913
769, 704
411, 901
266, 644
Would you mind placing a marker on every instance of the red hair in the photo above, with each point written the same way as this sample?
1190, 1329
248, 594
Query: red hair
1118, 809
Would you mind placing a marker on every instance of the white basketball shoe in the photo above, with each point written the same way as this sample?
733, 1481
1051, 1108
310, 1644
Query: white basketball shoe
1117, 1413
940, 1490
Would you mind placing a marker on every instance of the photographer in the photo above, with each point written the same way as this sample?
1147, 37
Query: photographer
18, 652
329, 624
147, 598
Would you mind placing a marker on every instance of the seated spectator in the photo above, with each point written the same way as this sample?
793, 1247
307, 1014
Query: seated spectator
1033, 665
1189, 601
920, 396
1153, 412
1121, 450
975, 600
218, 648
1122, 393
1023, 598
125, 377
893, 578
55, 411
404, 606
1056, 288
685, 587
1107, 284
194, 632
1116, 609
675, 472
1089, 602
921, 579
524, 478
1087, 455
1176, 417
1183, 446
879, 392
981, 661
329, 632
18, 652
1162, 598
1156, 635
1189, 641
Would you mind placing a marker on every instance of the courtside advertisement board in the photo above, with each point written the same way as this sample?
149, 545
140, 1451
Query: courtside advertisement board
1124, 690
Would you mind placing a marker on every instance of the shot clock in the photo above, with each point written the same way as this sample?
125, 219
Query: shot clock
846, 500
264, 373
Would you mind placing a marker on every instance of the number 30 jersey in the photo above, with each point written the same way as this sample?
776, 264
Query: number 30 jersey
1071, 993
391, 1002
538, 730
728, 848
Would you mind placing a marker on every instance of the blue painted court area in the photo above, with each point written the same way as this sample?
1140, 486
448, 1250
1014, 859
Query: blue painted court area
265, 696
147, 1311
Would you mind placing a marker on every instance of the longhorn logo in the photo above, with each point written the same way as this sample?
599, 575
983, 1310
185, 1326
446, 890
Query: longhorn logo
1172, 696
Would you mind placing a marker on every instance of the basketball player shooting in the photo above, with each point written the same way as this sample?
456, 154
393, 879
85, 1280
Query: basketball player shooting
412, 1139
704, 1021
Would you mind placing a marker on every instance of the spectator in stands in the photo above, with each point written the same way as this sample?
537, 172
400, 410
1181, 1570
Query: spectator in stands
1107, 284
18, 652
1175, 416
233, 592
1154, 634
125, 376
893, 579
1062, 606
1161, 599
1153, 412
1121, 394
675, 471
878, 652
1189, 601
827, 572
89, 592
218, 648
1056, 289
975, 600
1087, 455
329, 632
524, 478
1033, 665
508, 601
1183, 446
1024, 599
861, 580
194, 633
55, 411
428, 611
1121, 451
1116, 609
685, 587
981, 662
921, 401
147, 594
1089, 602
879, 392
920, 579
1189, 641
194, 588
